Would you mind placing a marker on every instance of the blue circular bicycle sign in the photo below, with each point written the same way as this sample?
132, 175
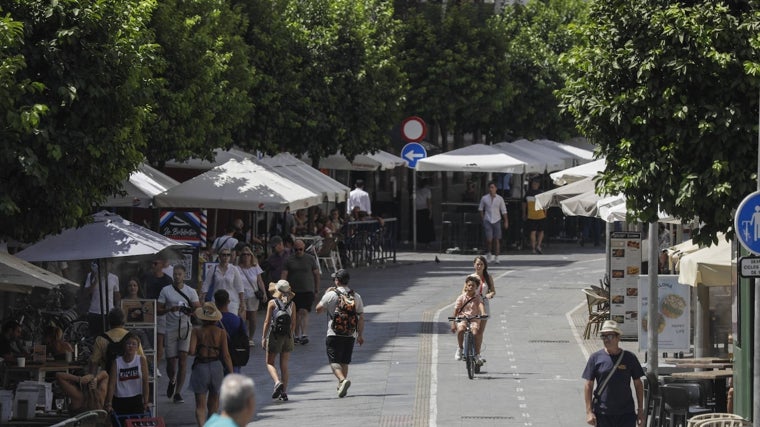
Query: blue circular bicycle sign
747, 223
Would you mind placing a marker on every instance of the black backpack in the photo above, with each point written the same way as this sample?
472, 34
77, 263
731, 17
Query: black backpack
114, 349
237, 343
281, 318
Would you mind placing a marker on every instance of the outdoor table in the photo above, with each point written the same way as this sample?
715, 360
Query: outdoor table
39, 369
718, 377
711, 365
697, 360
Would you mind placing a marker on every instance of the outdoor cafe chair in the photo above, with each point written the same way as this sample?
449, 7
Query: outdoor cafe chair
596, 313
678, 406
698, 419
724, 422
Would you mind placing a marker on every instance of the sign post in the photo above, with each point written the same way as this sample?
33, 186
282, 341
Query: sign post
413, 130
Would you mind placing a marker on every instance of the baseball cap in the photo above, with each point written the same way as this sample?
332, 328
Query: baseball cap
341, 275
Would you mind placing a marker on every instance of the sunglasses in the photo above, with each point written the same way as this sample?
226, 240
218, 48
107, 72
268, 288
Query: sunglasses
608, 336
224, 255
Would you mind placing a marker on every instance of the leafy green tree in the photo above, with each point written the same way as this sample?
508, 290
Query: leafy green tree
329, 77
203, 80
662, 88
90, 61
537, 33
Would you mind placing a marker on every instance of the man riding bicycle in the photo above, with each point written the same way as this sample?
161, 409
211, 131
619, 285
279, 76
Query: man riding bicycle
467, 305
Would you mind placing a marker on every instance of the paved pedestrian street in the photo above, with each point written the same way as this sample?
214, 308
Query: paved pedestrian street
405, 373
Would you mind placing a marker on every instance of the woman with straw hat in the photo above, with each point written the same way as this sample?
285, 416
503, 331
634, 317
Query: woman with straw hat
276, 341
209, 346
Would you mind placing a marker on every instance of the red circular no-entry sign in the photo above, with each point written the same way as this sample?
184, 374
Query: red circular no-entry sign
413, 129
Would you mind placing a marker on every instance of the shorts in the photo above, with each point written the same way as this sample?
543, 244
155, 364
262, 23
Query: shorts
304, 300
177, 340
492, 230
207, 377
251, 304
535, 224
279, 343
339, 349
615, 420
128, 405
161, 324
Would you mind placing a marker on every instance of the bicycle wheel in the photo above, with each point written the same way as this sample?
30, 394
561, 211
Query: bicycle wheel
469, 354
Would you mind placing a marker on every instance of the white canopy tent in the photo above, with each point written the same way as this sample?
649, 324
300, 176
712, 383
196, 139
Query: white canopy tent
241, 185
473, 158
580, 155
141, 186
557, 159
534, 161
553, 197
708, 266
577, 173
306, 176
584, 204
17, 275
380, 160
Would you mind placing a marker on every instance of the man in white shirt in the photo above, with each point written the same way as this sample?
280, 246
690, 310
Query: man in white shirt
226, 241
99, 308
359, 197
492, 210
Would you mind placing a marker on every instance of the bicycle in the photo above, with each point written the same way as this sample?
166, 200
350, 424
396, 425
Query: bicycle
468, 353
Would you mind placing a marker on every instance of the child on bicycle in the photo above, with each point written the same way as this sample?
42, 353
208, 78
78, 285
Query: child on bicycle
468, 304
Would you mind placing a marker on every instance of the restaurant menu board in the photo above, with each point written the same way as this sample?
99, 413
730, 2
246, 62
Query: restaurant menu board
673, 313
625, 268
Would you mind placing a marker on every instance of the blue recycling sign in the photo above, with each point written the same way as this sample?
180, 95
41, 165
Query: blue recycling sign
747, 223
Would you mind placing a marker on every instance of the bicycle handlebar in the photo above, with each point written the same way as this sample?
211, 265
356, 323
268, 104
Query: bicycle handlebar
468, 318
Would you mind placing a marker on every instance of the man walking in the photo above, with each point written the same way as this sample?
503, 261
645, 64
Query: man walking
345, 325
98, 306
493, 209
302, 271
176, 303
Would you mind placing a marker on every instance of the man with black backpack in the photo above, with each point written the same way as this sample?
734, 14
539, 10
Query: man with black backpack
107, 346
344, 309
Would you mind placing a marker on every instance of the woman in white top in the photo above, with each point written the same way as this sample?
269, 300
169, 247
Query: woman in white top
486, 290
250, 272
128, 391
225, 276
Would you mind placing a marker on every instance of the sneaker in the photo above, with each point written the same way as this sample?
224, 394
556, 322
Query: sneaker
489, 257
539, 250
343, 387
304, 340
283, 397
251, 343
171, 388
277, 390
479, 360
458, 354
178, 398
297, 340
496, 259
158, 373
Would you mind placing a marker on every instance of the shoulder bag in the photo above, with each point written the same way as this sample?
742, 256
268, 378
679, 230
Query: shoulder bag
210, 294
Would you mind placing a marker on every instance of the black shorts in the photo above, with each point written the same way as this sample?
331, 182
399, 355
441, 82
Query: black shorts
339, 349
535, 224
304, 300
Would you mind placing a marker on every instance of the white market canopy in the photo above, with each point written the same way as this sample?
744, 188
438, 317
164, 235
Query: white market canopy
141, 186
108, 236
303, 174
240, 185
473, 158
534, 161
577, 173
709, 266
554, 196
380, 160
580, 155
556, 159
17, 275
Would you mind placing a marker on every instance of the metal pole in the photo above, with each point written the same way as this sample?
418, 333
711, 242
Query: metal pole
756, 338
414, 209
652, 343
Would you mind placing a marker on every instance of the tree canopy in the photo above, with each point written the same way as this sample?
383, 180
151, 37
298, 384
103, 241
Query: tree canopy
662, 89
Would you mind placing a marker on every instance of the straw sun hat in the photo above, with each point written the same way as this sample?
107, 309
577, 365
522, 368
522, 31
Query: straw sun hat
208, 311
610, 326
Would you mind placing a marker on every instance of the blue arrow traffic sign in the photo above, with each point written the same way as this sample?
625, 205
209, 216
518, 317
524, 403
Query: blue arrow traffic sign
413, 152
747, 223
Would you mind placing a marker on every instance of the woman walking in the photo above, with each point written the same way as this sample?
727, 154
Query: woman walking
128, 391
209, 346
275, 340
250, 271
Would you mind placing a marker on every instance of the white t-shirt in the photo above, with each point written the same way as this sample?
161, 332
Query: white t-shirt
113, 287
170, 298
359, 197
423, 194
250, 277
224, 242
330, 301
128, 377
493, 208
